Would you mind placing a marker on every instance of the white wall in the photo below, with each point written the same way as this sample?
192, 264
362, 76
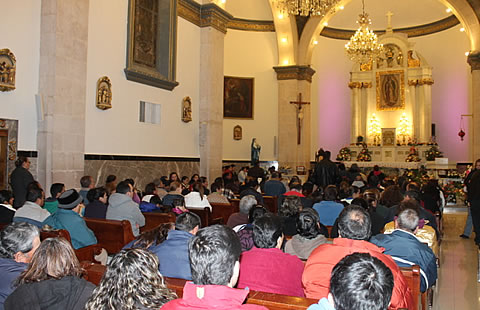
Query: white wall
253, 54
117, 130
249, 9
20, 23
444, 51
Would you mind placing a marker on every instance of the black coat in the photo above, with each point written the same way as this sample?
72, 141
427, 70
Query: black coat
19, 180
326, 173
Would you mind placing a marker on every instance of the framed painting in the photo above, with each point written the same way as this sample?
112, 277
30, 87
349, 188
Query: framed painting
238, 97
390, 90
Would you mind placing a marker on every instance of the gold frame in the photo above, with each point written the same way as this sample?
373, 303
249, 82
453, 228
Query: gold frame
381, 105
105, 85
7, 74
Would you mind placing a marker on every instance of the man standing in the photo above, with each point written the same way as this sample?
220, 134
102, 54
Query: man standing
354, 228
122, 207
19, 180
406, 250
326, 172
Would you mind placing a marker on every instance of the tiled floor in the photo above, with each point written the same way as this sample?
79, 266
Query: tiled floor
457, 286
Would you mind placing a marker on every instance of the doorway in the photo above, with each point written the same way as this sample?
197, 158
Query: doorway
3, 158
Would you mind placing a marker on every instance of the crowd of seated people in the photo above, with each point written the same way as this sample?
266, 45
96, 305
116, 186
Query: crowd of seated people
285, 253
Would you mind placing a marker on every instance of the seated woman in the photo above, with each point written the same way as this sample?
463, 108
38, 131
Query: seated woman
288, 212
309, 235
52, 280
132, 281
97, 208
245, 231
6, 207
150, 239
196, 198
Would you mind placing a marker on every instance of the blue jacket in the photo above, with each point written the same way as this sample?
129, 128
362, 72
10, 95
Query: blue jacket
80, 234
322, 304
406, 250
10, 270
328, 211
274, 188
173, 255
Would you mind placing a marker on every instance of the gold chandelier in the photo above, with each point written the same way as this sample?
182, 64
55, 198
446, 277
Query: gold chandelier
363, 45
306, 7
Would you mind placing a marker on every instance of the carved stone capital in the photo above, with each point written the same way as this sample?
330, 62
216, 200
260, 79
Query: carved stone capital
353, 85
301, 73
474, 60
206, 15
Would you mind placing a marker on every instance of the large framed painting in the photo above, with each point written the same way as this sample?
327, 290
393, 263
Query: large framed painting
238, 97
391, 90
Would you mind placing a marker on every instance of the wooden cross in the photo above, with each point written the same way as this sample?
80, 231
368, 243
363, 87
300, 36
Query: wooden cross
299, 104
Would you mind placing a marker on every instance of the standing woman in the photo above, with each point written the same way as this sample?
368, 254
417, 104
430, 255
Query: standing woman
473, 188
19, 181
52, 280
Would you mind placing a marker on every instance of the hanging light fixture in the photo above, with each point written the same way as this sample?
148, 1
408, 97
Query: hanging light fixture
363, 45
306, 7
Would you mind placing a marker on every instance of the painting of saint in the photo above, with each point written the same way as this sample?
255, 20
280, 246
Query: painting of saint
390, 90
238, 98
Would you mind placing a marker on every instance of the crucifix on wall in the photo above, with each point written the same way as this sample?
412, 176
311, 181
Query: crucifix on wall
298, 105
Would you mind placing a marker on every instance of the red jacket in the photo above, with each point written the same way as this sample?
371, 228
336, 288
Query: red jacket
271, 271
316, 277
211, 297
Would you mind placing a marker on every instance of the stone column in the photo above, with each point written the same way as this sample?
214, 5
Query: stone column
62, 87
355, 119
293, 80
214, 26
474, 61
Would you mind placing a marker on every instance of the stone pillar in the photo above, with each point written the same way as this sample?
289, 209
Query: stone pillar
62, 87
212, 35
292, 81
474, 61
355, 119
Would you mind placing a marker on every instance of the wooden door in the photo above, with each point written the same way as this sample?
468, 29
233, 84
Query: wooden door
3, 158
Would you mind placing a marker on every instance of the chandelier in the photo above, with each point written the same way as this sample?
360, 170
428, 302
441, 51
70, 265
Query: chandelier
306, 7
363, 45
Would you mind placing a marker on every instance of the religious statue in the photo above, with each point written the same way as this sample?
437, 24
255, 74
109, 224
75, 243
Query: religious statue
412, 62
255, 152
187, 109
7, 70
104, 93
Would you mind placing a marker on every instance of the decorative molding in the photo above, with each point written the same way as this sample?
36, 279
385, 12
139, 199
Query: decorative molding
211, 15
415, 31
32, 154
473, 60
251, 25
353, 85
426, 81
139, 158
301, 73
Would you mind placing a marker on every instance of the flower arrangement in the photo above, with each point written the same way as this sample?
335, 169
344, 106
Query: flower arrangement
412, 155
345, 154
454, 190
433, 152
364, 154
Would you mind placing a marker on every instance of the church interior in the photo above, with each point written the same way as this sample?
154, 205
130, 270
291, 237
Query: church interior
142, 88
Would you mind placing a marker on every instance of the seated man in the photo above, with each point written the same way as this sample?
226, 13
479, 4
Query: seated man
173, 252
51, 203
252, 189
175, 192
358, 281
329, 209
87, 184
214, 254
32, 211
7, 212
354, 228
406, 250
18, 242
274, 186
241, 218
265, 267
67, 217
216, 195
122, 207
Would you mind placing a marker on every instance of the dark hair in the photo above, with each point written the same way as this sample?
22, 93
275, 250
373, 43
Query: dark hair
34, 193
371, 196
373, 180
187, 221
17, 237
354, 223
203, 180
123, 187
391, 196
327, 155
111, 178
290, 206
360, 202
213, 253
96, 193
412, 186
150, 188
256, 212
331, 193
178, 202
296, 186
361, 282
5, 196
184, 178
86, 181
154, 236
307, 188
414, 195
409, 204
346, 190
56, 188
155, 200
308, 223
275, 174
20, 160
252, 183
198, 187
266, 231
165, 181
215, 186
172, 174
54, 259
193, 176
174, 186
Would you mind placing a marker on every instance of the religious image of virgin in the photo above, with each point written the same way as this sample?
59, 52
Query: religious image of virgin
390, 90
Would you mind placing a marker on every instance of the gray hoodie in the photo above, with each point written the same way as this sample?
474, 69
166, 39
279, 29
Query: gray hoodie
302, 247
122, 207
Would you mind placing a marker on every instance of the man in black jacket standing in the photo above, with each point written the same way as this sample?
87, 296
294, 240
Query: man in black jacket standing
326, 172
19, 180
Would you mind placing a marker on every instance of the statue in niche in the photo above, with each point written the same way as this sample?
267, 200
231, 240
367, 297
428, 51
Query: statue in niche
391, 57
255, 152
237, 132
104, 93
412, 62
187, 109
7, 70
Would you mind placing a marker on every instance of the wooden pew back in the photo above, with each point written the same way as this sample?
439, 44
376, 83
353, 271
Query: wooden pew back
271, 203
412, 276
111, 235
206, 216
223, 210
83, 254
153, 219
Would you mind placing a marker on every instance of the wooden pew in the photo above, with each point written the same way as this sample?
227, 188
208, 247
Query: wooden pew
111, 235
93, 272
271, 203
235, 203
153, 219
206, 216
223, 210
83, 254
412, 276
